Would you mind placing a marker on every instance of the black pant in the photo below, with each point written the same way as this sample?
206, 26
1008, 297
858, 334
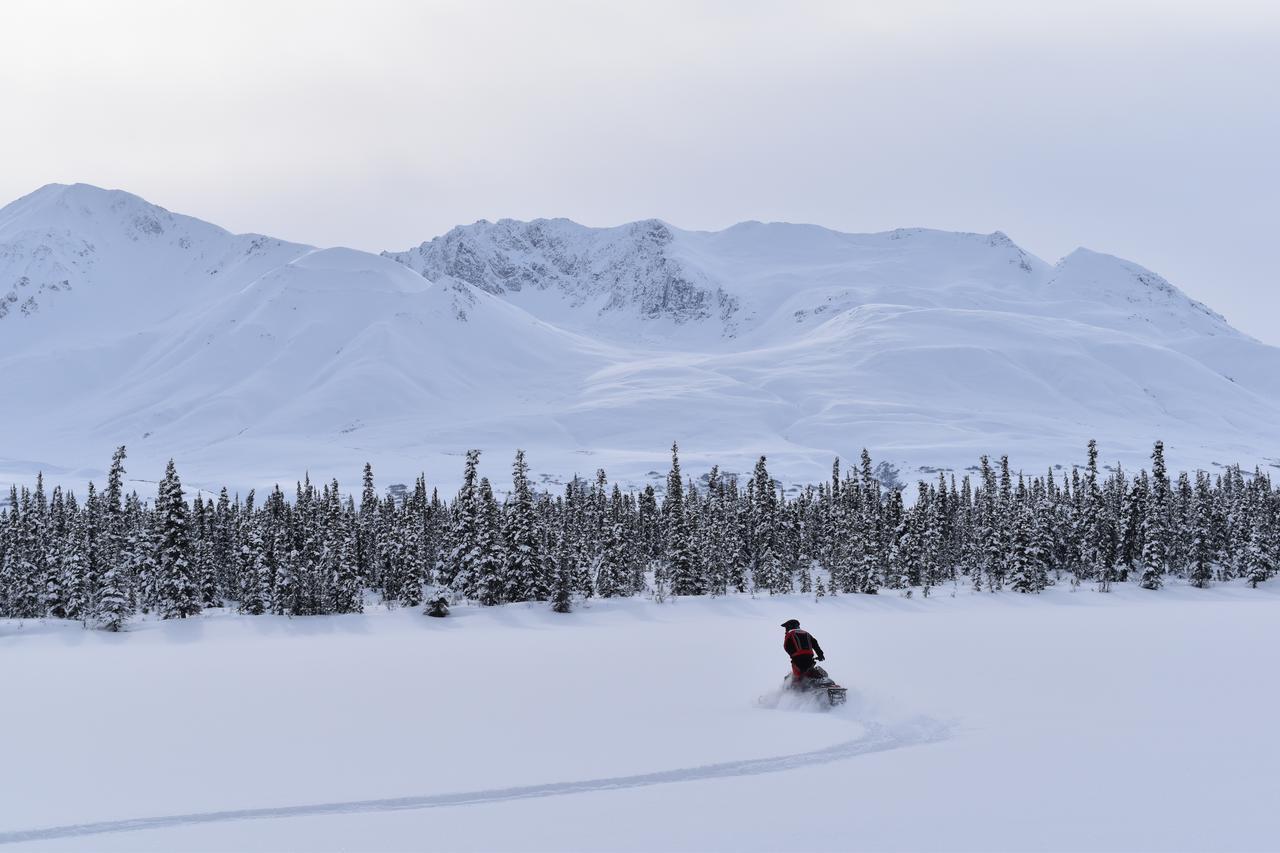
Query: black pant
803, 663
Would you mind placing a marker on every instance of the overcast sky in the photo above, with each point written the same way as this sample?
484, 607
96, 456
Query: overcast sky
1147, 130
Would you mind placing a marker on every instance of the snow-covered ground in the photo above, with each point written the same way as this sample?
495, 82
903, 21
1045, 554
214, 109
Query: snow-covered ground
1063, 721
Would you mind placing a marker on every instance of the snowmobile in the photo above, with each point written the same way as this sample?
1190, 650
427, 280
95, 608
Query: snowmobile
819, 684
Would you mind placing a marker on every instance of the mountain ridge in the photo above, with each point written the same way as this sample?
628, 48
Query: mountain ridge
253, 359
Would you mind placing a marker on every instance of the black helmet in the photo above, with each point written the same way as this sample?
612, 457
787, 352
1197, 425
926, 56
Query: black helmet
791, 624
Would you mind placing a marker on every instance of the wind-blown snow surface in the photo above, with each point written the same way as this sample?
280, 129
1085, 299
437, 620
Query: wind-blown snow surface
252, 360
1065, 721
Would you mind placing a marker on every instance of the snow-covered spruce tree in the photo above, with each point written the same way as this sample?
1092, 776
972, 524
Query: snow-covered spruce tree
286, 594
829, 508
631, 526
488, 571
1132, 525
649, 525
346, 595
368, 527
1233, 524
589, 532
199, 532
54, 553
87, 561
177, 593
308, 543
1088, 529
1043, 536
1181, 525
618, 563
111, 602
23, 571
768, 571
1025, 570
932, 527
1114, 503
1267, 522
113, 504
419, 547
804, 525
524, 560
732, 545
583, 535
218, 564
901, 553
871, 572
466, 552
435, 525
1003, 517
41, 548
787, 535
253, 572
562, 574
682, 569
1155, 523
1202, 553
988, 549
55, 592
845, 533
1258, 562
387, 559
113, 607
135, 554
835, 537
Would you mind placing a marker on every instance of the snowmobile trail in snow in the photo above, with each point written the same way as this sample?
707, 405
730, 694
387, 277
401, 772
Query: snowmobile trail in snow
878, 738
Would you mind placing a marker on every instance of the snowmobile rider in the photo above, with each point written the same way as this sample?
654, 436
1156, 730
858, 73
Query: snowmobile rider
802, 647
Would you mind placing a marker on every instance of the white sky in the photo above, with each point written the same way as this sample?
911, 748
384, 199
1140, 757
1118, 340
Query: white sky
1148, 130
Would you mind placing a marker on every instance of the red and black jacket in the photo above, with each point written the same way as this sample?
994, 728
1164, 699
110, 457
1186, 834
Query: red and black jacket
800, 643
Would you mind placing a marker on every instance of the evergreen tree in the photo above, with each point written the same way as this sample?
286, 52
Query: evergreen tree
1155, 529
767, 568
466, 557
254, 574
112, 603
682, 569
367, 551
1202, 547
618, 564
177, 593
562, 586
418, 545
1089, 529
344, 579
524, 561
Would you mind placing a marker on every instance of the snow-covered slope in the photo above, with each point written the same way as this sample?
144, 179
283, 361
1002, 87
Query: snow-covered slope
253, 360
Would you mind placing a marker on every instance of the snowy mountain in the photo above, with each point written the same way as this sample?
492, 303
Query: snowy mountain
252, 360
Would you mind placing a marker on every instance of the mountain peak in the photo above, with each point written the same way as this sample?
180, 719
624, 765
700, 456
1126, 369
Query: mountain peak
797, 341
1134, 294
86, 210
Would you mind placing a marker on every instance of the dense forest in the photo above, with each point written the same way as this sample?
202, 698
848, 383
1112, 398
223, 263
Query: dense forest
106, 557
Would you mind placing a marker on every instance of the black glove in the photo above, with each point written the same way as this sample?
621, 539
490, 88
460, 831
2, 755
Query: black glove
821, 657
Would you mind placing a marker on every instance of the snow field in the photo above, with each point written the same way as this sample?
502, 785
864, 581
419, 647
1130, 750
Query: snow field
1061, 721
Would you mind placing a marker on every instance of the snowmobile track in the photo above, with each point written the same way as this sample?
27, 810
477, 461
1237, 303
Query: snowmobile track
878, 738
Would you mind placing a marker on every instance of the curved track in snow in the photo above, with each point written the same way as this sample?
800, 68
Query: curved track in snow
878, 738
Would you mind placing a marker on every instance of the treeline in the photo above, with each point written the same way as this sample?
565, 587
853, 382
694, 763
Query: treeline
109, 556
